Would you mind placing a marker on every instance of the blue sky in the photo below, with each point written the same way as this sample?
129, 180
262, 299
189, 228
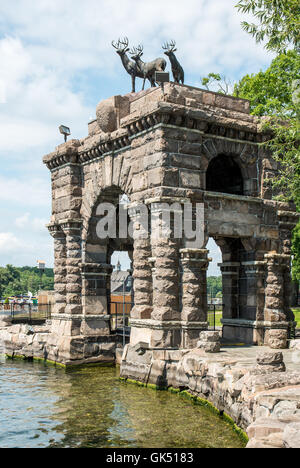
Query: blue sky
57, 63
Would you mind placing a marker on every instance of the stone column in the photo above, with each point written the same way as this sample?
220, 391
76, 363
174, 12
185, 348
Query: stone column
60, 272
72, 230
142, 277
194, 265
166, 310
275, 312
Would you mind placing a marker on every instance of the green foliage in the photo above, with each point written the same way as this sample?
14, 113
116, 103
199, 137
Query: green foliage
285, 149
224, 86
278, 22
18, 281
269, 91
214, 286
296, 253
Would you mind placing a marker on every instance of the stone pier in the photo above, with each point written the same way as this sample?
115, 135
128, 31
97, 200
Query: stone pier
177, 147
158, 149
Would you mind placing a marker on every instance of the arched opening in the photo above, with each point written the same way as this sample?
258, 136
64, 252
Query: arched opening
121, 293
107, 245
214, 286
224, 175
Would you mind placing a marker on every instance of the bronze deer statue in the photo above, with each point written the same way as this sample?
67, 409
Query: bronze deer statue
148, 69
177, 70
130, 66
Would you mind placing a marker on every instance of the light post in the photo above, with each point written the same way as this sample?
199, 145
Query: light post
41, 265
65, 131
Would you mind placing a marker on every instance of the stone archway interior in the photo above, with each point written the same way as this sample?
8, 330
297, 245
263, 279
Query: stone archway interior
224, 175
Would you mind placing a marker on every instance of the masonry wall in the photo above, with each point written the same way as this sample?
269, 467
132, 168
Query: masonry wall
156, 147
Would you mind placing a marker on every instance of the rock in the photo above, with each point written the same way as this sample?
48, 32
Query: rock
263, 427
107, 116
272, 441
209, 341
291, 436
209, 347
277, 339
269, 359
286, 409
269, 362
210, 336
295, 344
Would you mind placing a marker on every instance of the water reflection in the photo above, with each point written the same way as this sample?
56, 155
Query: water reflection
41, 406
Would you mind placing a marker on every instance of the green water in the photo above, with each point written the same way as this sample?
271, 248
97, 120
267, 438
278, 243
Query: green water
42, 406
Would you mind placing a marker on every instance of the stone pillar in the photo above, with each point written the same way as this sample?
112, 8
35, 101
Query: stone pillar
60, 272
72, 231
194, 265
165, 317
142, 276
278, 266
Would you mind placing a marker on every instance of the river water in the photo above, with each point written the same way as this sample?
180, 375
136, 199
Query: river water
43, 406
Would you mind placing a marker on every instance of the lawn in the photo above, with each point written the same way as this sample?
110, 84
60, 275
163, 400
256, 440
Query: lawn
297, 316
219, 316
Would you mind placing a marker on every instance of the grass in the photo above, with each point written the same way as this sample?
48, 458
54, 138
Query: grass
297, 316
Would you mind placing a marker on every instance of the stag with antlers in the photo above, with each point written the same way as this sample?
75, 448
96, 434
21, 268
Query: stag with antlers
177, 70
130, 66
148, 69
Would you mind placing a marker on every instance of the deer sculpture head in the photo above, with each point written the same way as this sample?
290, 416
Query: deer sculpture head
137, 52
121, 46
169, 48
177, 70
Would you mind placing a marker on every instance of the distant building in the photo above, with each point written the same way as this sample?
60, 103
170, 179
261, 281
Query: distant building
118, 278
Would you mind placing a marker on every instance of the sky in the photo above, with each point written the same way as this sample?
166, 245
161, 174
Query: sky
57, 64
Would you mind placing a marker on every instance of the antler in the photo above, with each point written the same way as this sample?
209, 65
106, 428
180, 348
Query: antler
120, 43
170, 46
116, 46
139, 50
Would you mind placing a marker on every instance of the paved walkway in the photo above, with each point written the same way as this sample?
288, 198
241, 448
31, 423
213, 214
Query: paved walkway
247, 355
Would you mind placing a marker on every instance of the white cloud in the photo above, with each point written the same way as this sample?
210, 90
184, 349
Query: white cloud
9, 242
57, 63
22, 221
29, 192
35, 99
28, 222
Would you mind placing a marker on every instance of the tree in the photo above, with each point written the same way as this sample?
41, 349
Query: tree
278, 23
224, 86
18, 281
270, 91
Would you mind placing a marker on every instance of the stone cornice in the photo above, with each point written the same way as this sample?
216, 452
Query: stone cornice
163, 115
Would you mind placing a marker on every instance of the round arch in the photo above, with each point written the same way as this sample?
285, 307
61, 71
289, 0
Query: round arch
224, 175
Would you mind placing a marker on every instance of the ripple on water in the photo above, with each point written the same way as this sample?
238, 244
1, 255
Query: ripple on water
43, 406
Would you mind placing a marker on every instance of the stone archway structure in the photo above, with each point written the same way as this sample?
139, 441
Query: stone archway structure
157, 147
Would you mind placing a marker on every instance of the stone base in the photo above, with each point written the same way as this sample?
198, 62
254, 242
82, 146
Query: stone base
274, 335
236, 383
62, 341
166, 334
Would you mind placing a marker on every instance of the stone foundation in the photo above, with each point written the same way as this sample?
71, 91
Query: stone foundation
262, 398
49, 342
